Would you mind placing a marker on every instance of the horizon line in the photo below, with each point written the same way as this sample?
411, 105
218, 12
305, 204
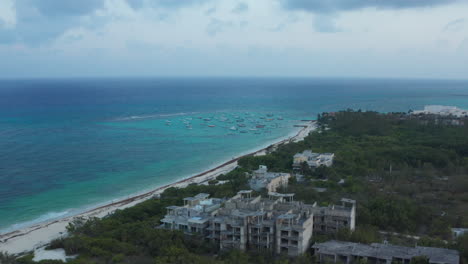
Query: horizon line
231, 77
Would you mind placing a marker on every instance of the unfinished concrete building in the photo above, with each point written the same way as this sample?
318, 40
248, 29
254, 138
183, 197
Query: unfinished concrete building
276, 224
332, 218
348, 252
312, 159
194, 216
261, 178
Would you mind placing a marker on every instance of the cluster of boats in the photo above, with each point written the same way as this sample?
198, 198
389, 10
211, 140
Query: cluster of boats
235, 123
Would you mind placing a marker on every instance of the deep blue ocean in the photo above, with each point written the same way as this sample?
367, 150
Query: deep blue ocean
70, 144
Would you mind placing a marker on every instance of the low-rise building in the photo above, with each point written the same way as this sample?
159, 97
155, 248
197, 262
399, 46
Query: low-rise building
348, 252
277, 223
442, 110
458, 232
312, 159
261, 178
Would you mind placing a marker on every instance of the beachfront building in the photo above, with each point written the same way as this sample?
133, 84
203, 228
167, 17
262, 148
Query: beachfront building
276, 223
271, 181
312, 159
442, 110
194, 216
348, 252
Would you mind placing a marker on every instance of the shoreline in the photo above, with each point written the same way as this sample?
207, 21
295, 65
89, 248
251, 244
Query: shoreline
38, 235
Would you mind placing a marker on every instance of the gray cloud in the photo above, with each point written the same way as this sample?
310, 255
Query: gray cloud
240, 8
325, 24
455, 25
217, 26
164, 3
210, 11
328, 6
66, 8
38, 21
136, 4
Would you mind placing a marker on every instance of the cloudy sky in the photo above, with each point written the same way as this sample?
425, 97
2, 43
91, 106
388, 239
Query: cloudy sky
316, 38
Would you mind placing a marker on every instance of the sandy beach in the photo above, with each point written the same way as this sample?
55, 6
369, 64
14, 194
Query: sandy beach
36, 236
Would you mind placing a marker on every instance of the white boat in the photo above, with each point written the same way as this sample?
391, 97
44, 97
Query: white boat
233, 128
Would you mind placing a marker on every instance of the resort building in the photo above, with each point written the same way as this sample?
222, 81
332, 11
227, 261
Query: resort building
348, 252
442, 110
312, 159
277, 224
261, 178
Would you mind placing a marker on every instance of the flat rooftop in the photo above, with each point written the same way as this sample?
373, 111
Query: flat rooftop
388, 251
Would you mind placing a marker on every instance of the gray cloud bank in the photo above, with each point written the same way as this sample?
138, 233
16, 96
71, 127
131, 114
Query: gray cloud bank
327, 6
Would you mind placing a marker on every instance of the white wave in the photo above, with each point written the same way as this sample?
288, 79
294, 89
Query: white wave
50, 216
137, 117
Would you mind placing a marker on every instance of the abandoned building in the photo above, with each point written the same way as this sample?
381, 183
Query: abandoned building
261, 178
348, 252
312, 159
277, 224
193, 217
332, 218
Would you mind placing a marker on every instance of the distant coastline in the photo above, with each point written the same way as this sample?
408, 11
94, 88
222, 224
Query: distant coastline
38, 235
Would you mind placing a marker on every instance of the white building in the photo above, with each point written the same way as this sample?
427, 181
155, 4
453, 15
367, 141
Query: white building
261, 178
458, 232
312, 159
442, 110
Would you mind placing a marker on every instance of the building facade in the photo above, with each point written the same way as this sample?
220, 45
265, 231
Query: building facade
348, 252
271, 181
312, 159
194, 216
276, 224
332, 218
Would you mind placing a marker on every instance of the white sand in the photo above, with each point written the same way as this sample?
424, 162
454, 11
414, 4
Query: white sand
35, 237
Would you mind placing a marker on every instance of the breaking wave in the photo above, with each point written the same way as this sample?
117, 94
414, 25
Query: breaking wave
138, 117
41, 219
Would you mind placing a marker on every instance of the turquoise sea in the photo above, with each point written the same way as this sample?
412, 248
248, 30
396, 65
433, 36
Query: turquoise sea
67, 145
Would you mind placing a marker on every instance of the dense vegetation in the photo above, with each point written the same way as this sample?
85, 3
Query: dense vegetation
408, 174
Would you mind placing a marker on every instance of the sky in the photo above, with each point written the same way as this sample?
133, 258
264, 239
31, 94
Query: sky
281, 38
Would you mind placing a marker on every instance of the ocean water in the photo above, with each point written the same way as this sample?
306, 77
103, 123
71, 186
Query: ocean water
68, 145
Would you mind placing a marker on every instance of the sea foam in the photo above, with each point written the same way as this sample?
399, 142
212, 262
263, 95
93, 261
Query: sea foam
136, 117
